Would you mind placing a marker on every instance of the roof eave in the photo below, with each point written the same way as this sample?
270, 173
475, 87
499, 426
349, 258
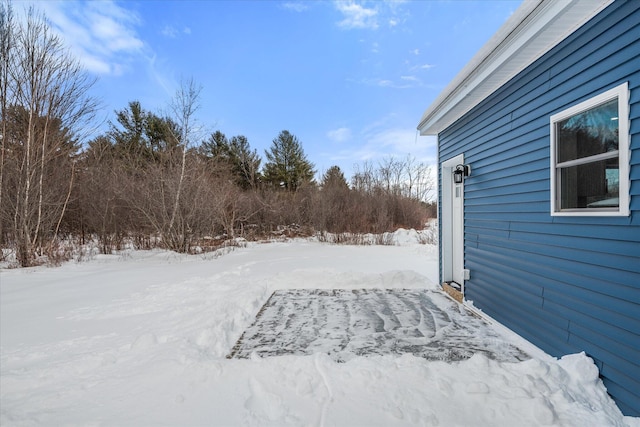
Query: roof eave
534, 28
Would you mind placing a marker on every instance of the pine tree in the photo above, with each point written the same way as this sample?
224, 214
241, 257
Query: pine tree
142, 136
245, 163
237, 154
287, 166
217, 146
333, 178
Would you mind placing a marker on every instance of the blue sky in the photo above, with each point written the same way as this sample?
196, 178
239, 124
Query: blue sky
350, 79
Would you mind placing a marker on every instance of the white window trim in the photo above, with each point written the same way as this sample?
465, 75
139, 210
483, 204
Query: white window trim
622, 93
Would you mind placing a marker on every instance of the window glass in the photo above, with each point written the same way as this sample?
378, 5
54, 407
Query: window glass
590, 185
591, 132
590, 156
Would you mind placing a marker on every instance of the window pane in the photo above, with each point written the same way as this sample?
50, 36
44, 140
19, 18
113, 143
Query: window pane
592, 185
591, 132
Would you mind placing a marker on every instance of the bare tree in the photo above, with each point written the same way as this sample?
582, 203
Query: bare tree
99, 207
184, 107
6, 51
47, 90
419, 180
364, 177
388, 174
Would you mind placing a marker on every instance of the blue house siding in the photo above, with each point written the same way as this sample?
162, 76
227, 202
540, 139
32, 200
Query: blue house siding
567, 284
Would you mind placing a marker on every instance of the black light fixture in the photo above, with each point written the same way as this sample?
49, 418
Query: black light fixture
460, 172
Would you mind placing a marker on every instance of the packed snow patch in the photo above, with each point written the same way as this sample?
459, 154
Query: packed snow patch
348, 323
141, 339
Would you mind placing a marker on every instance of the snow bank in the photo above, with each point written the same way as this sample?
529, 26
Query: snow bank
142, 339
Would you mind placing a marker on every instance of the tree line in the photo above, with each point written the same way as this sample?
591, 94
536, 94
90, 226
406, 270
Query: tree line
152, 179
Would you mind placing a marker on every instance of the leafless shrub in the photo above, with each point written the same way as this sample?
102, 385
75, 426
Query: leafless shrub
429, 236
384, 239
356, 239
58, 252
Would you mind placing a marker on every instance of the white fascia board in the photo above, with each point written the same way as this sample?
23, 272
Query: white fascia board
534, 29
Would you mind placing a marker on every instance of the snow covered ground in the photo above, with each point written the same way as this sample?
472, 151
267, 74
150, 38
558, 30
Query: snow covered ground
141, 339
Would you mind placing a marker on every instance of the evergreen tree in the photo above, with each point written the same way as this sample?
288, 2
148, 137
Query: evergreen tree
237, 154
245, 163
287, 165
333, 179
334, 201
162, 134
143, 136
128, 137
217, 146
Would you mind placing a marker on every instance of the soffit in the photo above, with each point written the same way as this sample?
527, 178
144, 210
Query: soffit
534, 28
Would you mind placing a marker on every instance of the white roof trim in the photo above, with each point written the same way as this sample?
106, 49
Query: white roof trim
534, 28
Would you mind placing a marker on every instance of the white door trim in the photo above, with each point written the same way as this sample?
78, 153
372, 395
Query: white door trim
446, 222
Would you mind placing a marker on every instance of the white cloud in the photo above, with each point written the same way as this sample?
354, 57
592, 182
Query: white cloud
340, 134
357, 16
378, 82
410, 79
381, 139
405, 82
172, 32
169, 31
416, 52
101, 34
397, 142
295, 6
161, 80
98, 66
421, 67
384, 83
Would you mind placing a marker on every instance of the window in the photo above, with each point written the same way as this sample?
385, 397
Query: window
590, 156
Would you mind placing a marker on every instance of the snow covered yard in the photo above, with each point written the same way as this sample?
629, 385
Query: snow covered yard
141, 339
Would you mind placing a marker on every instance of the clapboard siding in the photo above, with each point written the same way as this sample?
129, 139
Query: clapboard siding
620, 260
617, 257
549, 271
619, 340
568, 284
571, 230
627, 399
511, 309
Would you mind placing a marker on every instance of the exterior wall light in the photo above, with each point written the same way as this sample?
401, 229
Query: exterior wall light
460, 172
